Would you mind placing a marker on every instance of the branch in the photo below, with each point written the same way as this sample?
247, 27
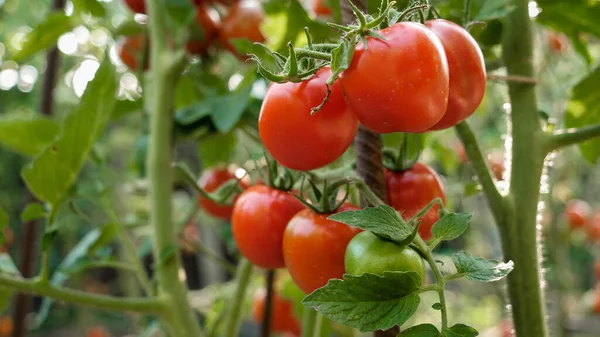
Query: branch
511, 78
562, 138
473, 150
40, 288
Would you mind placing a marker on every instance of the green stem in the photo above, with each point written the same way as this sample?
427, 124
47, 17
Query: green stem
301, 52
467, 13
309, 322
42, 288
109, 264
518, 226
166, 66
136, 264
366, 192
439, 278
563, 138
234, 318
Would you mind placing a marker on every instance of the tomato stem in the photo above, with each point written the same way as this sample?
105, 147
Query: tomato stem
436, 201
467, 13
311, 323
234, 315
268, 313
439, 278
563, 138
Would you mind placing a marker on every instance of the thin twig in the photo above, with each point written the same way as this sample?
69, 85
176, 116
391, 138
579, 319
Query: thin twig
511, 78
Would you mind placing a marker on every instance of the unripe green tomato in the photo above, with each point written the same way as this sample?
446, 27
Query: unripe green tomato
367, 253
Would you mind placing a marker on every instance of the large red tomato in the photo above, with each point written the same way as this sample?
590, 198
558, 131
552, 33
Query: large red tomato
260, 216
243, 21
210, 181
293, 136
399, 84
314, 248
137, 6
130, 51
577, 213
282, 310
208, 20
411, 190
467, 72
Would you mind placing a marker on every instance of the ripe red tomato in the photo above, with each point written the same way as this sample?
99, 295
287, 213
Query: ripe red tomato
467, 72
321, 9
314, 248
210, 181
208, 20
243, 21
399, 84
137, 6
130, 51
97, 332
282, 310
577, 213
293, 136
410, 191
558, 42
260, 216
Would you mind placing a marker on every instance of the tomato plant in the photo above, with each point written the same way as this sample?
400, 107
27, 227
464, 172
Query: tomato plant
283, 319
210, 181
208, 20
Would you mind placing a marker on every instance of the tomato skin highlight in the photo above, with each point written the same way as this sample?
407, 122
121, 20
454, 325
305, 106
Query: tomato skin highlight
297, 139
260, 216
282, 310
466, 69
314, 248
577, 213
366, 253
399, 84
210, 181
242, 21
411, 190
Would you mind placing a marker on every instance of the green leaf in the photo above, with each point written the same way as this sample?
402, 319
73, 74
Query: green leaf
422, 330
60, 277
217, 148
368, 302
7, 265
494, 9
192, 113
107, 235
227, 110
479, 269
584, 109
381, 220
52, 173
28, 135
461, 330
33, 211
93, 7
44, 35
437, 306
124, 108
451, 226
341, 57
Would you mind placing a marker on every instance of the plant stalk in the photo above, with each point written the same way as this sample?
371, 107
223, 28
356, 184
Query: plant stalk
234, 316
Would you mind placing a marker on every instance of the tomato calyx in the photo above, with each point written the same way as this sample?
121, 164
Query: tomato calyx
324, 200
277, 176
223, 195
402, 159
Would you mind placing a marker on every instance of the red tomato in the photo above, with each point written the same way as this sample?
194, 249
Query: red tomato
467, 72
293, 136
577, 213
260, 216
243, 21
593, 227
282, 311
558, 42
410, 191
97, 332
496, 162
399, 84
130, 51
314, 248
210, 181
137, 6
6, 326
208, 20
320, 8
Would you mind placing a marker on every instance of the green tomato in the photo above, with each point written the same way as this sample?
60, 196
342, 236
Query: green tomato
367, 253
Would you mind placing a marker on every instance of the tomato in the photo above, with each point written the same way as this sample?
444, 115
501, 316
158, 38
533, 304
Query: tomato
314, 247
593, 227
130, 51
399, 84
282, 311
367, 253
411, 190
260, 216
137, 6
243, 21
597, 269
97, 332
210, 181
558, 42
208, 20
293, 136
467, 72
7, 326
577, 213
496, 162
320, 8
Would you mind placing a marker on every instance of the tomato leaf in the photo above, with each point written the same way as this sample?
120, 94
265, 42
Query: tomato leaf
382, 220
341, 57
33, 211
124, 108
52, 173
368, 302
44, 35
451, 226
479, 269
217, 148
584, 109
422, 330
460, 330
93, 7
27, 135
494, 9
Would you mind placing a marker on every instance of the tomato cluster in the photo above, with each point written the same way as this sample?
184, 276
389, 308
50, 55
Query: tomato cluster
243, 20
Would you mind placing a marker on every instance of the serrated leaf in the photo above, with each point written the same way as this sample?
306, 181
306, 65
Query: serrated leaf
451, 226
341, 57
479, 269
7, 265
461, 330
422, 330
54, 171
494, 9
93, 7
368, 302
381, 220
27, 135
217, 149
33, 211
44, 35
